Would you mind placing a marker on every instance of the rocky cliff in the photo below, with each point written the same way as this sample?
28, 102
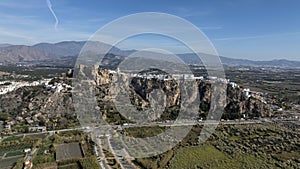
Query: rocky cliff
113, 89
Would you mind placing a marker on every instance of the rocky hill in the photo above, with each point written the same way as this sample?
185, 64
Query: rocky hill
155, 99
36, 105
237, 104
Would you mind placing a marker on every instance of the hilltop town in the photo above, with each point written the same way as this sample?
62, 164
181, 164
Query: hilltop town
41, 111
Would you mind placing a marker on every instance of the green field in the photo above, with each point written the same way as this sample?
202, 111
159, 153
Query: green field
12, 148
14, 153
206, 156
12, 138
6, 163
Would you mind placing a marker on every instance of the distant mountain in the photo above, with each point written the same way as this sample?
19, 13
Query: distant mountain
73, 48
21, 53
56, 51
193, 58
272, 63
48, 51
70, 48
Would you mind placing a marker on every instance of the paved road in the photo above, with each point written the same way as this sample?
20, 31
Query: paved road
113, 152
28, 158
100, 155
164, 124
124, 163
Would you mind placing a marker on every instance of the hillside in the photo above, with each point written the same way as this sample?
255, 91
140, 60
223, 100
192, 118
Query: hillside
21, 53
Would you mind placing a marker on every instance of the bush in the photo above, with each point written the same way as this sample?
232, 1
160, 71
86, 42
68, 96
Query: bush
4, 116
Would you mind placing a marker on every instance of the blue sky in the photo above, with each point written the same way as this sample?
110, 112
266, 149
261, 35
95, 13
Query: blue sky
247, 29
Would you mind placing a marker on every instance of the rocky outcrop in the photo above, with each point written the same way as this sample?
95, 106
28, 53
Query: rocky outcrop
142, 92
240, 106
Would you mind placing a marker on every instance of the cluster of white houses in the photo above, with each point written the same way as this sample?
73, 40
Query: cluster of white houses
258, 95
246, 92
58, 87
157, 76
166, 77
12, 85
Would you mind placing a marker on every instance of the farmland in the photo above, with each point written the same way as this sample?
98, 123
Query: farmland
68, 151
9, 162
207, 156
266, 145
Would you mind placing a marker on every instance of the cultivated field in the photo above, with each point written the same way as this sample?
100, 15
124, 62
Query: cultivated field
68, 151
9, 162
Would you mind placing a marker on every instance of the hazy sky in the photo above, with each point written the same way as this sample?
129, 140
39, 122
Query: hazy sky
248, 29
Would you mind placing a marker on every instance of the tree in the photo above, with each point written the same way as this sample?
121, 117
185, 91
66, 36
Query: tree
4, 116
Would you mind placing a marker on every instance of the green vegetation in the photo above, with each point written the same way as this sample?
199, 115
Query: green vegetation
29, 73
89, 162
192, 157
8, 163
42, 157
143, 132
207, 156
84, 163
4, 116
9, 146
266, 145
14, 153
46, 155
13, 149
20, 128
281, 84
12, 138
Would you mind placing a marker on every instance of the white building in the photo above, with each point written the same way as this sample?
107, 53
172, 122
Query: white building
246, 92
233, 85
27, 150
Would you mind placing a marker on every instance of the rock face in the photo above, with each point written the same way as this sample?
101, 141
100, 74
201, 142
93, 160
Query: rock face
240, 106
142, 92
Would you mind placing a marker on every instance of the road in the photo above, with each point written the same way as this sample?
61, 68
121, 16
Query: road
29, 156
165, 124
100, 154
124, 162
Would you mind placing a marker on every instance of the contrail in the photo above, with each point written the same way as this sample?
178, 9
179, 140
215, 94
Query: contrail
50, 8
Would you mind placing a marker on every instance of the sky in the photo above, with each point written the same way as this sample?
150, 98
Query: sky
244, 29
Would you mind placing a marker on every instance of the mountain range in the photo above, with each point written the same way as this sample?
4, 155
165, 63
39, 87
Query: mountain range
11, 54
